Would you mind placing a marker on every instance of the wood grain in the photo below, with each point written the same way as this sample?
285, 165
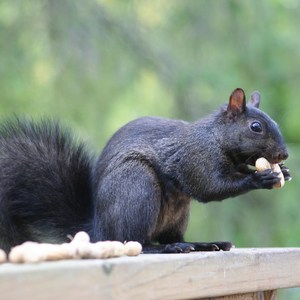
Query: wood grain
158, 276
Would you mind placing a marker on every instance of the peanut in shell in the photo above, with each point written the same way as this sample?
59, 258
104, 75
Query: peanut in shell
262, 164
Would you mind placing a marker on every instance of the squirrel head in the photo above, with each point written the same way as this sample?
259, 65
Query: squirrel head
249, 132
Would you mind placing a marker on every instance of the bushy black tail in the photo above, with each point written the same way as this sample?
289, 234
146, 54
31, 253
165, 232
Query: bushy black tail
45, 183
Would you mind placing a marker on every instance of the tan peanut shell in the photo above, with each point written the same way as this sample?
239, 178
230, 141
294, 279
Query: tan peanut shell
133, 248
262, 164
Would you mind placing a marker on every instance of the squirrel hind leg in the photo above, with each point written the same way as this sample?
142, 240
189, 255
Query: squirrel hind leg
184, 247
127, 203
213, 246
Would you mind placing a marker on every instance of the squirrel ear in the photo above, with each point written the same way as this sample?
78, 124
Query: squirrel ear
255, 99
237, 103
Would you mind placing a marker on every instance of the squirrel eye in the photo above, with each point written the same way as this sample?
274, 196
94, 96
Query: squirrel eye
256, 126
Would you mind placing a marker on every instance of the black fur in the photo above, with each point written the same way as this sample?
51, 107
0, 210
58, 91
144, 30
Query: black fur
151, 168
45, 183
141, 186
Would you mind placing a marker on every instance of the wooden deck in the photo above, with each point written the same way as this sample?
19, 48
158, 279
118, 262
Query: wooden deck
245, 273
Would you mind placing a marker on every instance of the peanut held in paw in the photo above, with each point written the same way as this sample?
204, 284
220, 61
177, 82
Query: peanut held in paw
262, 164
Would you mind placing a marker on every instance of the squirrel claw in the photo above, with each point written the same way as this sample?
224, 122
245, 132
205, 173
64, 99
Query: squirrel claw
286, 172
178, 248
214, 246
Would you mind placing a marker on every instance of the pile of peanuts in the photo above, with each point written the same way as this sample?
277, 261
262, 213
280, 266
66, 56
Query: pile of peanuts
79, 247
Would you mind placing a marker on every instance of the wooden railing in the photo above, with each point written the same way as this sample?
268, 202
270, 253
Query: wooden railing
237, 274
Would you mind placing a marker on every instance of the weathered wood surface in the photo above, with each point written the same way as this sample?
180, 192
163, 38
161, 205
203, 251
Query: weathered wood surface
165, 276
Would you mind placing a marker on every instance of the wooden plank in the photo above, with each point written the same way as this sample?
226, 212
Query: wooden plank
165, 276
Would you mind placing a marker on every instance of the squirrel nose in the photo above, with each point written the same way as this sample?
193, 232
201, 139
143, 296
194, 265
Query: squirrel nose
282, 155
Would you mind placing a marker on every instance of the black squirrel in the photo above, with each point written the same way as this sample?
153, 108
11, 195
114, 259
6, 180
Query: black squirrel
141, 186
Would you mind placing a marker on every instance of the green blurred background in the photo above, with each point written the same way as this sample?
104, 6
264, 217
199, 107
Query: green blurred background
99, 64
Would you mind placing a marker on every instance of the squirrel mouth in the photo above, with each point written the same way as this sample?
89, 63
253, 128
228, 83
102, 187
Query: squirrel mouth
271, 159
274, 157
275, 161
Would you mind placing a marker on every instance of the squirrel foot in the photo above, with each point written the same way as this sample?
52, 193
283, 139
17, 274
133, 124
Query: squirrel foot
198, 246
185, 247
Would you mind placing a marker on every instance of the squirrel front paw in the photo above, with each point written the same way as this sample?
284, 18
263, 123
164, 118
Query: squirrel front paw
282, 171
286, 172
265, 179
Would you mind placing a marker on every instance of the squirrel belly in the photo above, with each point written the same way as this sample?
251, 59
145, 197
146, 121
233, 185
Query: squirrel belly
141, 185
